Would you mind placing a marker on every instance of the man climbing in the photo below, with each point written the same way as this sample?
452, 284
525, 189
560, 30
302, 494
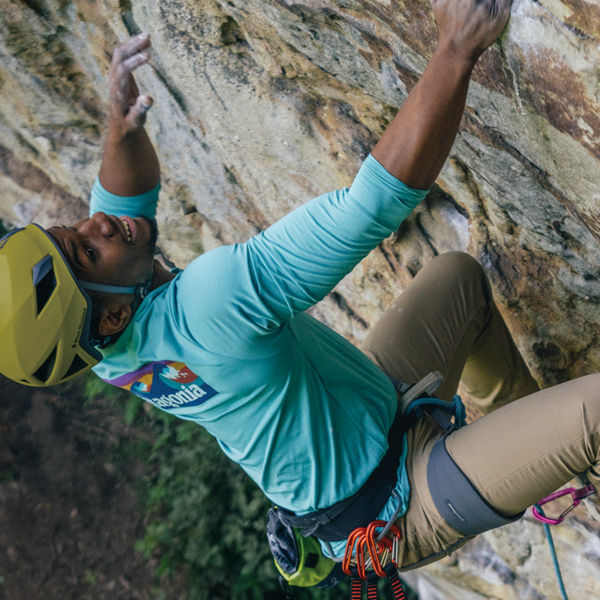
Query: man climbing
226, 342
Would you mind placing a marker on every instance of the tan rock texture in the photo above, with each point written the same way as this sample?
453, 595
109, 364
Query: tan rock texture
262, 104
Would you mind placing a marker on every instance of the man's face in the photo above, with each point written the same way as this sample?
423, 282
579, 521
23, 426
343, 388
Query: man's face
109, 249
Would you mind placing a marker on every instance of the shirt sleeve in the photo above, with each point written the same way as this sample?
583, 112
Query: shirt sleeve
104, 201
299, 260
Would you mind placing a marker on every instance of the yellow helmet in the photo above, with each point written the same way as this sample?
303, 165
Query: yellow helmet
44, 312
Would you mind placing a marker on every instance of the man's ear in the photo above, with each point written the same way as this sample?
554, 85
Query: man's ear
114, 317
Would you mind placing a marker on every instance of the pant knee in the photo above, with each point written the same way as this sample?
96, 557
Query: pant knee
590, 398
579, 411
463, 271
460, 264
593, 383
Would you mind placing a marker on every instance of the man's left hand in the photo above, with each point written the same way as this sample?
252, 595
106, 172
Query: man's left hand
128, 106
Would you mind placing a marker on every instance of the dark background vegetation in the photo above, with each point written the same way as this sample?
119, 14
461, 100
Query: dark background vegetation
103, 497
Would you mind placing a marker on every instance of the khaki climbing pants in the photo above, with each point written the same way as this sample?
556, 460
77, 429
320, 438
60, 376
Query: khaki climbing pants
528, 443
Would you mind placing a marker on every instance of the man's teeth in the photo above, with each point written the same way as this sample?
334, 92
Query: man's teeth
127, 229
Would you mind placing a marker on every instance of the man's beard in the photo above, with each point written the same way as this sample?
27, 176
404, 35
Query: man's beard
153, 234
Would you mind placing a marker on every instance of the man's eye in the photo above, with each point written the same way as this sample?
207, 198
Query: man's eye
90, 253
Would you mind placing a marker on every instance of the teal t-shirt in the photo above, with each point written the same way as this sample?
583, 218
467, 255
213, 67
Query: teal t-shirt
227, 344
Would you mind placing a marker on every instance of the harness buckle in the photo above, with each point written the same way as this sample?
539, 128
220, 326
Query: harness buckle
426, 386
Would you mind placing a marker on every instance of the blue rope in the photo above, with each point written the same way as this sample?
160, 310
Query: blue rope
559, 578
460, 413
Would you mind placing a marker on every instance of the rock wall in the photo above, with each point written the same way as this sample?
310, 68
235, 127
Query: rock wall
262, 104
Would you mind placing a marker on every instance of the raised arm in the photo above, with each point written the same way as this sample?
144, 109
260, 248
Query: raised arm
130, 166
417, 142
302, 257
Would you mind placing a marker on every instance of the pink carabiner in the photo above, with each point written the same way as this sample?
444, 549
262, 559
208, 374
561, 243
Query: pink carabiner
577, 494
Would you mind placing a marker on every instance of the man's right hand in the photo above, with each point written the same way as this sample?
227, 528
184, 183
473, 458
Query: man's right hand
416, 143
468, 27
128, 107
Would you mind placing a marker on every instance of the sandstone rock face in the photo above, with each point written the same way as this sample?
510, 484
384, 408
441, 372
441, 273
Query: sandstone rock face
263, 104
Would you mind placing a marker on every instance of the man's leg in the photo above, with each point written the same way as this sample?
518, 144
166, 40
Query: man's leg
513, 456
446, 320
528, 449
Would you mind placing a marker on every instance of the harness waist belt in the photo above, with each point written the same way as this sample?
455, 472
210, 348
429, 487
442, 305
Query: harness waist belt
338, 521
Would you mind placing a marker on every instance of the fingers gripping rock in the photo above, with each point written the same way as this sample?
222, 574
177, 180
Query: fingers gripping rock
135, 61
470, 26
127, 105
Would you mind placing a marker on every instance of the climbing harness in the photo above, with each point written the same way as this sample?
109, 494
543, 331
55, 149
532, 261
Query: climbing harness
337, 522
457, 500
538, 512
290, 535
372, 550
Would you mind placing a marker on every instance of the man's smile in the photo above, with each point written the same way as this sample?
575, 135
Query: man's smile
130, 229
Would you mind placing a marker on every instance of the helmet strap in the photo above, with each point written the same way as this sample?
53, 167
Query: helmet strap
103, 342
139, 291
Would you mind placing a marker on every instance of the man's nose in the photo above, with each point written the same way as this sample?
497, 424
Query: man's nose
101, 224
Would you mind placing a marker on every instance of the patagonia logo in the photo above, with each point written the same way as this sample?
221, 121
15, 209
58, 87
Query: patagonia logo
167, 385
449, 504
